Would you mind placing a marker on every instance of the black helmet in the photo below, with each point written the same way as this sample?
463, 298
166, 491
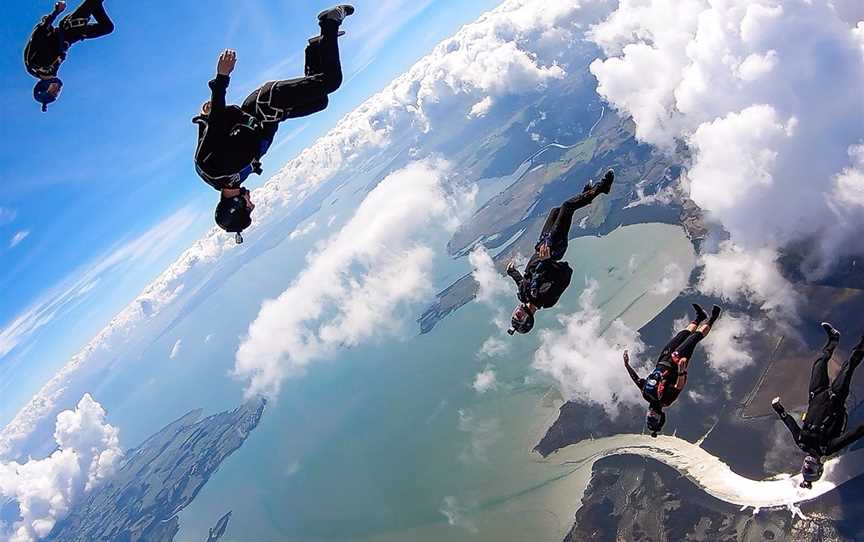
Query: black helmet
522, 320
41, 94
233, 215
811, 470
655, 419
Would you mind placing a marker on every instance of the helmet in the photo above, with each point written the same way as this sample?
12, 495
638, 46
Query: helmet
41, 94
655, 419
233, 215
522, 320
811, 470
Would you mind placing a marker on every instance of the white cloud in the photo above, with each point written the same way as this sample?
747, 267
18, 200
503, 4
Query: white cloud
18, 237
208, 338
756, 111
673, 281
734, 274
481, 108
303, 230
493, 347
585, 358
491, 283
486, 380
175, 349
88, 451
352, 290
519, 48
727, 346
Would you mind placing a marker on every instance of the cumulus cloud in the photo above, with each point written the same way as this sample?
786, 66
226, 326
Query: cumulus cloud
727, 347
764, 116
353, 288
491, 283
673, 281
481, 108
494, 346
584, 359
486, 380
88, 451
176, 349
734, 274
521, 47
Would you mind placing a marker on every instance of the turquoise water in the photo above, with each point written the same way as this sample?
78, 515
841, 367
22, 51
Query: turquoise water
374, 443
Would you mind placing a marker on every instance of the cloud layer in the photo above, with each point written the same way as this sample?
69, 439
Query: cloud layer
764, 117
88, 451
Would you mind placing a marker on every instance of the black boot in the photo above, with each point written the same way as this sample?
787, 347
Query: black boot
701, 315
336, 14
778, 408
606, 183
833, 336
715, 314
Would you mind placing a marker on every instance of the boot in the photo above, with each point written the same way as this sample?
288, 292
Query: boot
778, 408
336, 14
715, 314
606, 184
701, 315
833, 336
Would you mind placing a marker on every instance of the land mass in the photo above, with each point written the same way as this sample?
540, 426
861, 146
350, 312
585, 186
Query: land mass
160, 478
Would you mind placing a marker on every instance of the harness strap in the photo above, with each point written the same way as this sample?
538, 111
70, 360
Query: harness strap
69, 24
264, 104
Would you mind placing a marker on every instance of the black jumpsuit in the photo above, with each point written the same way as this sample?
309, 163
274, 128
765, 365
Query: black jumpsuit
47, 47
822, 432
232, 139
545, 280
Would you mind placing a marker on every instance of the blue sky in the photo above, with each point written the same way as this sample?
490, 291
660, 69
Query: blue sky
99, 193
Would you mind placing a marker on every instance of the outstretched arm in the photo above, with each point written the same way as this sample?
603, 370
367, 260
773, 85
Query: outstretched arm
514, 273
634, 376
219, 85
788, 420
837, 444
48, 20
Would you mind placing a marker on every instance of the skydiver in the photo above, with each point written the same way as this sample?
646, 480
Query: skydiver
822, 433
48, 45
667, 380
547, 276
232, 139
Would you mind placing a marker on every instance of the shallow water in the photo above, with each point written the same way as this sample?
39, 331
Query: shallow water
387, 441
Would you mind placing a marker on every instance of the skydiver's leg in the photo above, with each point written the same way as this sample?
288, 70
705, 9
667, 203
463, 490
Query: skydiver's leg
676, 341
550, 221
304, 96
685, 349
840, 386
819, 376
77, 26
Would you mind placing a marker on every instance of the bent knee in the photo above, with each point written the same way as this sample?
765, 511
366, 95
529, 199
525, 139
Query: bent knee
333, 82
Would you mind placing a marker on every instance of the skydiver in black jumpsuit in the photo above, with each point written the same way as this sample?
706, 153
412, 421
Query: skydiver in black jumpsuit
232, 139
48, 45
546, 275
822, 433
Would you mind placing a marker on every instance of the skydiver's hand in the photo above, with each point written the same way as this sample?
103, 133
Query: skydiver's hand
227, 61
626, 357
511, 266
544, 251
59, 7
